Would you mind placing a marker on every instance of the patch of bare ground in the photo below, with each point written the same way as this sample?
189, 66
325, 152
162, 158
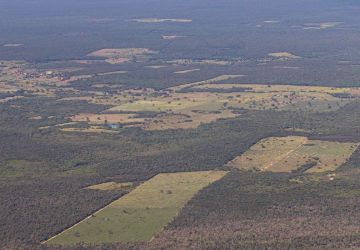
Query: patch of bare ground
118, 56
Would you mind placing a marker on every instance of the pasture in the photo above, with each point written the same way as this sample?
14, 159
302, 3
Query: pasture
161, 20
142, 213
110, 186
190, 105
283, 55
118, 56
294, 153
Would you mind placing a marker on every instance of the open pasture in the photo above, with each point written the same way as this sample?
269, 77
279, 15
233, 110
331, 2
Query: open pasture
186, 120
91, 129
161, 20
106, 118
283, 55
154, 106
110, 186
142, 213
190, 105
319, 26
294, 153
118, 56
277, 97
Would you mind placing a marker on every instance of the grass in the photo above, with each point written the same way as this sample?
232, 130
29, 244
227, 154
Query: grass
291, 153
106, 118
153, 106
283, 55
190, 105
110, 186
142, 213
161, 20
267, 152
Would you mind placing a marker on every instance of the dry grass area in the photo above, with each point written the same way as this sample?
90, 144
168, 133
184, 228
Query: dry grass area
113, 73
162, 20
186, 71
20, 75
190, 105
118, 56
13, 45
156, 66
199, 62
184, 106
142, 213
110, 186
91, 129
6, 88
319, 26
188, 120
106, 118
171, 37
277, 97
286, 154
208, 81
283, 55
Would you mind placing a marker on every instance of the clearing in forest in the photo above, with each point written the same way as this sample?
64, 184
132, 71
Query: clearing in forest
142, 213
319, 26
161, 20
110, 186
117, 56
186, 71
106, 118
294, 153
283, 55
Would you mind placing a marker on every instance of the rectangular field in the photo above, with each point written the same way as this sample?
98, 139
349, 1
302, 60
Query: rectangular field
292, 153
142, 213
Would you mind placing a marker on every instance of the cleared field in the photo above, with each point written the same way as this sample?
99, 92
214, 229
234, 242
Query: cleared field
190, 105
162, 20
186, 120
286, 154
212, 80
13, 45
277, 97
318, 26
284, 55
113, 73
110, 186
139, 215
106, 118
117, 56
268, 152
327, 155
171, 37
155, 105
186, 71
91, 129
199, 62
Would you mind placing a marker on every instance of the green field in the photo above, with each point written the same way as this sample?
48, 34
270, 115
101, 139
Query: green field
286, 154
142, 213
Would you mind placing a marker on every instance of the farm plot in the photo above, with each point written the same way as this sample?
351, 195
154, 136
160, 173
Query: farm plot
161, 20
110, 186
106, 118
190, 105
142, 213
294, 153
276, 97
118, 56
